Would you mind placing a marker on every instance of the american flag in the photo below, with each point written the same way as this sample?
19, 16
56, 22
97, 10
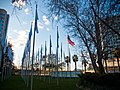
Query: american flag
70, 41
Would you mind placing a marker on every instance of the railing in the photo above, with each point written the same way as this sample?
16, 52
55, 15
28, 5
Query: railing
68, 74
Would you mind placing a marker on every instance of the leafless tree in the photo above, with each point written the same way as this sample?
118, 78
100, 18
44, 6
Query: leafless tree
81, 18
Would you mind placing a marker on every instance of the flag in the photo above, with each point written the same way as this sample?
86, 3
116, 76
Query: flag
56, 62
28, 44
36, 18
41, 51
36, 57
57, 38
49, 58
61, 52
38, 54
64, 58
50, 44
69, 41
10, 56
29, 39
24, 55
45, 49
41, 55
27, 47
30, 33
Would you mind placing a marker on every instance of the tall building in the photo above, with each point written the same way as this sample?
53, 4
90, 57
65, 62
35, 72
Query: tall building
111, 41
4, 18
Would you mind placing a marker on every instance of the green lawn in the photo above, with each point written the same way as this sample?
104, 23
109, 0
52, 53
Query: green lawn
16, 83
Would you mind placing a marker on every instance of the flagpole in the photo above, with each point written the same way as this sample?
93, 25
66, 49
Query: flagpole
30, 34
26, 71
69, 60
29, 57
32, 60
28, 64
40, 62
50, 57
45, 62
49, 66
52, 61
61, 58
71, 43
57, 53
64, 62
35, 29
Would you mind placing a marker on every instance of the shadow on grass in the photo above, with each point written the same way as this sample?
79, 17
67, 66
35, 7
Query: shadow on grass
16, 83
13, 83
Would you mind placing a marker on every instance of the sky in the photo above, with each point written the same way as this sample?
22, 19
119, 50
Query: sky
19, 27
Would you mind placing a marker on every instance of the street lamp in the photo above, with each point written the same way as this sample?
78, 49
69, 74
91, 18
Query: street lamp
67, 60
75, 59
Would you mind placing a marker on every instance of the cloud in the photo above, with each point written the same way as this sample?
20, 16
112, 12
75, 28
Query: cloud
15, 31
22, 37
24, 22
27, 11
40, 25
43, 24
47, 29
10, 37
20, 40
45, 20
16, 61
55, 17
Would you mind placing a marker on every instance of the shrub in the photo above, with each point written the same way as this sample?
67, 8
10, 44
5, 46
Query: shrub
110, 81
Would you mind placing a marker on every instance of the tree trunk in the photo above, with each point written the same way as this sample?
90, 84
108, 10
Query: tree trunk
85, 67
118, 63
75, 66
94, 65
98, 37
93, 61
99, 48
67, 66
113, 65
106, 66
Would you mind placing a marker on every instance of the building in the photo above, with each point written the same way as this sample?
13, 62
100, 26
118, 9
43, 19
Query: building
111, 41
4, 18
53, 62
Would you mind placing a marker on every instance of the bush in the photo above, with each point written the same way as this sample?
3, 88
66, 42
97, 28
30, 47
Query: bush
110, 81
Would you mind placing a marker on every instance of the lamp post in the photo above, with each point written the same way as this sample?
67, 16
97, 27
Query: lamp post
67, 60
75, 59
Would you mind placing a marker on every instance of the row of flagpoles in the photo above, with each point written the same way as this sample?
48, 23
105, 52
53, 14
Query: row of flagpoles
26, 54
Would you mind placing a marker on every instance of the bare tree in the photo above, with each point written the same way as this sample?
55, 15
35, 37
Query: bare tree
82, 18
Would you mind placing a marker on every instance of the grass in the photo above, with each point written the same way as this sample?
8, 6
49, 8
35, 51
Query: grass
13, 83
16, 83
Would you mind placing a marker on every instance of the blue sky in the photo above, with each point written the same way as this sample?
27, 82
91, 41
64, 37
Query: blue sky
19, 26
